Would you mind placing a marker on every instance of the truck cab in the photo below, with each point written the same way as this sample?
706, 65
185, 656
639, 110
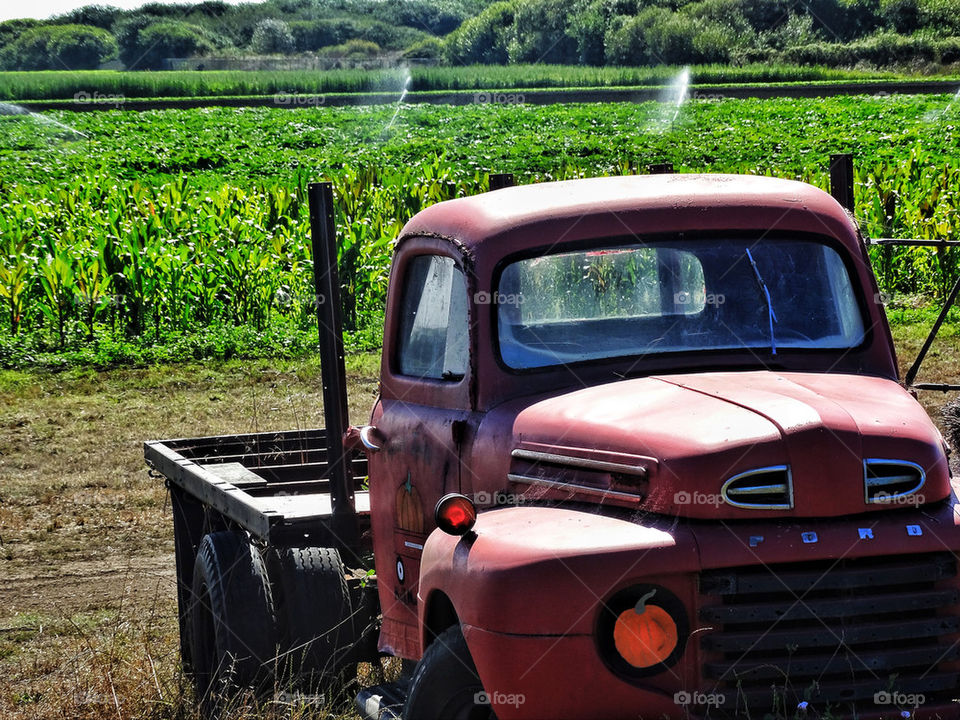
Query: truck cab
700, 488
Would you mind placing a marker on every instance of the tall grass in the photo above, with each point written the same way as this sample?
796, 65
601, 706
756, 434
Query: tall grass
48, 85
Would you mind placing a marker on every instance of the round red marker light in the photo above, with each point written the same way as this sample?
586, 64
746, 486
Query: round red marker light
455, 514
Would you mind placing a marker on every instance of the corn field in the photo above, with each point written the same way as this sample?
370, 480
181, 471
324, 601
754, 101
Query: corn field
145, 259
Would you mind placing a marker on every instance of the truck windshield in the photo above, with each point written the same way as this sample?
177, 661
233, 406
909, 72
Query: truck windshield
676, 296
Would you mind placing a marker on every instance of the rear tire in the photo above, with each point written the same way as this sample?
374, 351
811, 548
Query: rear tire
315, 618
232, 626
445, 685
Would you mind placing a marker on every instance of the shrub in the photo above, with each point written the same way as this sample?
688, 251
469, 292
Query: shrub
483, 38
900, 15
587, 26
766, 14
540, 33
310, 35
10, 30
353, 50
170, 39
272, 37
940, 15
420, 14
669, 36
429, 49
879, 50
798, 30
625, 42
659, 36
59, 47
948, 50
101, 16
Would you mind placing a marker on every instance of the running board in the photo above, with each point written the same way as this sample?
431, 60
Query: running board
381, 702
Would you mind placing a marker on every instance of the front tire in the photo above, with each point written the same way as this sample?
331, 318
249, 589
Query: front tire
445, 684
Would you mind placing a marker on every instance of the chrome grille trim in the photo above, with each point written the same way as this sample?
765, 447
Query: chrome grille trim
740, 496
575, 489
874, 486
578, 462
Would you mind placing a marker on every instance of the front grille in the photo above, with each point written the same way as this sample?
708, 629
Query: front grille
831, 633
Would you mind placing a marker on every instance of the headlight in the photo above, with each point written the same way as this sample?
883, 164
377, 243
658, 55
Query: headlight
642, 631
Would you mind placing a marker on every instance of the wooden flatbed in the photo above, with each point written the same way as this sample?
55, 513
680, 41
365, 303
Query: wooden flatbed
261, 482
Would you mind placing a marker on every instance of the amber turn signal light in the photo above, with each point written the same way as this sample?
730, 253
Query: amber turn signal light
455, 514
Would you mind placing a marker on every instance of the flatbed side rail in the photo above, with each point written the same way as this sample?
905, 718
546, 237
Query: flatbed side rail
204, 485
288, 470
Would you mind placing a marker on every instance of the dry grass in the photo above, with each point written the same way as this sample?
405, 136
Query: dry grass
87, 604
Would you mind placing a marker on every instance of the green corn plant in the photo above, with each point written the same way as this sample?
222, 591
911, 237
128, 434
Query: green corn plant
92, 287
56, 279
15, 268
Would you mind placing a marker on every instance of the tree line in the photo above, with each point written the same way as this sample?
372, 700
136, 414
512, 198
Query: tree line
463, 32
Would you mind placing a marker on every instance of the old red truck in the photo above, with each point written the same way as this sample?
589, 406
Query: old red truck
640, 450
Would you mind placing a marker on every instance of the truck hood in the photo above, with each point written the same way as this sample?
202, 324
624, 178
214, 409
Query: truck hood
732, 445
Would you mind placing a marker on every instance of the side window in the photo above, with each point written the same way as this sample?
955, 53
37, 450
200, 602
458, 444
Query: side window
433, 340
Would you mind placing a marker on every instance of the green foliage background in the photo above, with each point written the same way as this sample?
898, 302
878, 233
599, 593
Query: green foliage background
919, 34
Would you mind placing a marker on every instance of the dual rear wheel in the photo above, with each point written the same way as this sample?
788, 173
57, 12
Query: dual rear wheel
283, 622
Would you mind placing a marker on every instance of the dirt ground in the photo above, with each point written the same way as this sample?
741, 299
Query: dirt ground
87, 599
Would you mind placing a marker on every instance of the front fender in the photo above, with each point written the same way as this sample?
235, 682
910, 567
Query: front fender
544, 570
